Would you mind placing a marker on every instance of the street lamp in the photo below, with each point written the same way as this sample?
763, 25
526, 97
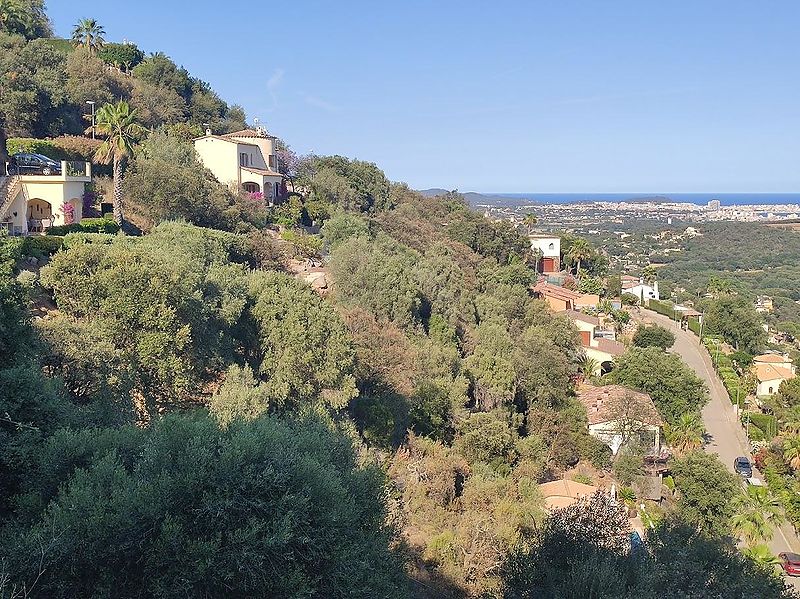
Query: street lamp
91, 103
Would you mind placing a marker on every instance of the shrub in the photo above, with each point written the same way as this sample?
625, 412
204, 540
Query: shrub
73, 239
41, 245
663, 308
75, 147
653, 336
35, 146
694, 326
87, 225
767, 423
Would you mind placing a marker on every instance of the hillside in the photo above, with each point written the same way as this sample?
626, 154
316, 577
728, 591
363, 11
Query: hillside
182, 414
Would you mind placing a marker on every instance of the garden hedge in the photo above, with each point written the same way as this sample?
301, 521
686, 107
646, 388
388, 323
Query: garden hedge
87, 225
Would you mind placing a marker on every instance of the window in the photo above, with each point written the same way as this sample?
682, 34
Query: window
272, 161
244, 159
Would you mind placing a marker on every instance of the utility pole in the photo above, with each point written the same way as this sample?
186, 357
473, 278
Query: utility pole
91, 103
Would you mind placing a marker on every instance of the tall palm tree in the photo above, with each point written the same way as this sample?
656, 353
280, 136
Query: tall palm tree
758, 512
791, 451
89, 34
687, 433
117, 122
580, 251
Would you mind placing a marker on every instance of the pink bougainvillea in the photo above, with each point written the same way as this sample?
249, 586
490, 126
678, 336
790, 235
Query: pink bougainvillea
69, 213
256, 196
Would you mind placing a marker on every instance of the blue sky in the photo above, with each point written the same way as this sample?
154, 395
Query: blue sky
547, 96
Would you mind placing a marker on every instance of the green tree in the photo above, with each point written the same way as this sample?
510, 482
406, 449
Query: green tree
89, 34
118, 123
301, 348
791, 451
178, 508
675, 388
24, 17
590, 285
123, 56
707, 490
735, 319
653, 336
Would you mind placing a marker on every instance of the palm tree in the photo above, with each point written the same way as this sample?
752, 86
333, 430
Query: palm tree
89, 34
791, 451
687, 433
529, 220
117, 122
761, 555
579, 251
588, 366
757, 514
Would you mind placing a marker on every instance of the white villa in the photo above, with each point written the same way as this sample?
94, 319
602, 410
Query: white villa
550, 248
637, 287
771, 370
243, 160
33, 203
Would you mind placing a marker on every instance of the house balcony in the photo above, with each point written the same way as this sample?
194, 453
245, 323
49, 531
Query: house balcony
71, 171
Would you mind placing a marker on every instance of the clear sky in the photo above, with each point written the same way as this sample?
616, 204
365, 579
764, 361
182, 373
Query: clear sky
547, 96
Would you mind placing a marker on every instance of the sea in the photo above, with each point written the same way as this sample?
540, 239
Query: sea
725, 199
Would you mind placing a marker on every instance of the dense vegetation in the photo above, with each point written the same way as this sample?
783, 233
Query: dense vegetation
185, 417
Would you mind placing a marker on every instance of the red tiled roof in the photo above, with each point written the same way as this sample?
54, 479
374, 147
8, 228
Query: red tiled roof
772, 372
549, 290
606, 403
248, 133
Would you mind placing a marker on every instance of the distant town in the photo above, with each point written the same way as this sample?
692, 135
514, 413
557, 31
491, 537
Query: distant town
585, 213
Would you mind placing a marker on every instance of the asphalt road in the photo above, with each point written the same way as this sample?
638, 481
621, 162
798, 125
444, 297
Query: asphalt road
726, 436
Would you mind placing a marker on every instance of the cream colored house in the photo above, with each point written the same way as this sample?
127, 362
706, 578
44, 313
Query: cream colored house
595, 341
771, 370
33, 203
618, 415
243, 160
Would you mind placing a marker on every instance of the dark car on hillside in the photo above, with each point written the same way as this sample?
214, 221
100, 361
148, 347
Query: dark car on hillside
790, 562
24, 163
742, 466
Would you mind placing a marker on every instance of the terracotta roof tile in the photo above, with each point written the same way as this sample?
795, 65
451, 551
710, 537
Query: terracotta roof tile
601, 403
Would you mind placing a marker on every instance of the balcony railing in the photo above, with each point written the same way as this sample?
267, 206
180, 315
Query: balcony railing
76, 169
71, 170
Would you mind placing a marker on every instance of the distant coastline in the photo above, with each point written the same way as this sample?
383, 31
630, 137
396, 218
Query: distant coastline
725, 199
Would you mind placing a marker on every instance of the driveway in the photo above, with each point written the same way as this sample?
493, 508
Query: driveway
726, 437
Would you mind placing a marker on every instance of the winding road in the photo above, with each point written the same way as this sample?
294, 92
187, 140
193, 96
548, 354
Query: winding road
726, 437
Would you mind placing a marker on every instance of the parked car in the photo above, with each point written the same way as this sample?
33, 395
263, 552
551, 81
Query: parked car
23, 163
790, 562
742, 466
